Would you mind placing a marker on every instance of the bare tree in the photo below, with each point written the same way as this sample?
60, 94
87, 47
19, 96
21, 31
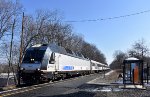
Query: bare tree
92, 52
119, 55
139, 49
74, 42
117, 63
8, 10
5, 52
40, 29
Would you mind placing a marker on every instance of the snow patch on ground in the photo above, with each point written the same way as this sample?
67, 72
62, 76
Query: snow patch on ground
108, 73
104, 89
5, 75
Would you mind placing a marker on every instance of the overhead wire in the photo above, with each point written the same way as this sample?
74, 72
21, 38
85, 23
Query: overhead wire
109, 18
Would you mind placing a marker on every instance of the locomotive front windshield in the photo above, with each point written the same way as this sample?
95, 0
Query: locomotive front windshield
33, 56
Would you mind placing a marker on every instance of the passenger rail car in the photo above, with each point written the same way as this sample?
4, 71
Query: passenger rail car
49, 62
96, 66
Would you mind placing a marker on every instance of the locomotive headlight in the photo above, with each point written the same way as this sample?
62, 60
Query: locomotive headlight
22, 69
32, 59
38, 69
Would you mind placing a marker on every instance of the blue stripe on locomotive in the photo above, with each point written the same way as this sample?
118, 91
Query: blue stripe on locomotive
68, 68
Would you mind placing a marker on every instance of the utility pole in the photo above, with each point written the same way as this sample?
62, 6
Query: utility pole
147, 71
21, 47
103, 72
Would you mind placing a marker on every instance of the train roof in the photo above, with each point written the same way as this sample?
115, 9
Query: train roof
58, 49
97, 63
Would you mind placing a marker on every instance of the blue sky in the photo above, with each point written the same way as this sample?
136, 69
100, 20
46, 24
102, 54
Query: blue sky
108, 35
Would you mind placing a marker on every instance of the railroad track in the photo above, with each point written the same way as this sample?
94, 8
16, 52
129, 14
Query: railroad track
34, 87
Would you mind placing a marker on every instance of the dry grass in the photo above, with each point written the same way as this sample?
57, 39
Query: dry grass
112, 77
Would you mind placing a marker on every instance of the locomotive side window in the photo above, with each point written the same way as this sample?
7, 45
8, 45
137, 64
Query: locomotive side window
93, 64
98, 65
52, 58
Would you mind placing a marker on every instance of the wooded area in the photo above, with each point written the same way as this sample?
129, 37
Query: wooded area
139, 50
43, 27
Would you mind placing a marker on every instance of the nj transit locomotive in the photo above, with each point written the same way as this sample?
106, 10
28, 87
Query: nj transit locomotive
50, 61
